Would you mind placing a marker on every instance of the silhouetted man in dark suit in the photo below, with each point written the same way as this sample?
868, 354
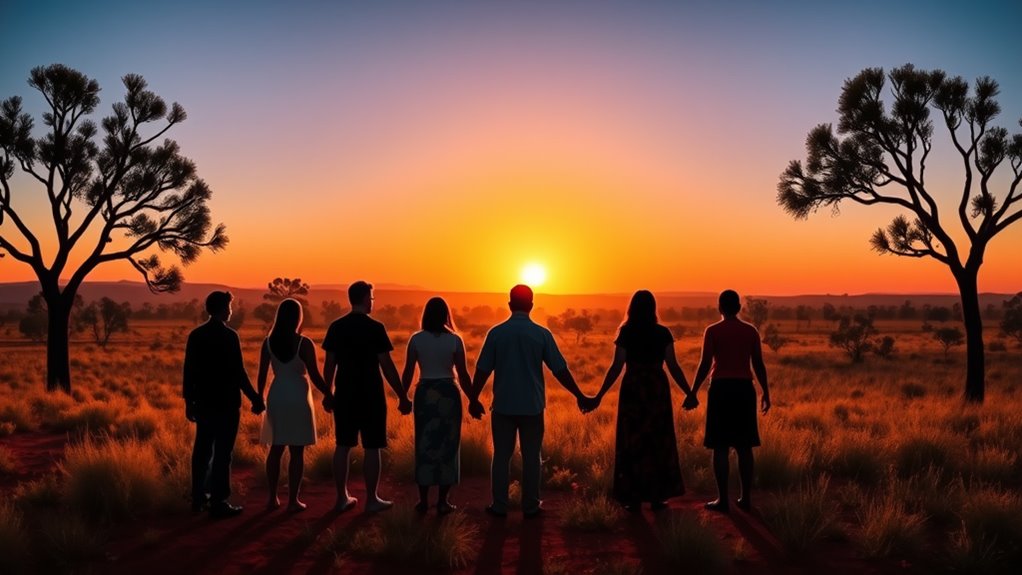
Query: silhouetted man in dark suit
214, 379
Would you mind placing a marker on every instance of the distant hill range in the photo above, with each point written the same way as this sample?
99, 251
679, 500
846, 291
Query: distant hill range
15, 295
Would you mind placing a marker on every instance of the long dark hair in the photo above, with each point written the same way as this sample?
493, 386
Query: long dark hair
641, 310
286, 324
436, 316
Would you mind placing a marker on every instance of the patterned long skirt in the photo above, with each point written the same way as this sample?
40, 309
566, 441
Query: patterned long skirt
646, 466
437, 432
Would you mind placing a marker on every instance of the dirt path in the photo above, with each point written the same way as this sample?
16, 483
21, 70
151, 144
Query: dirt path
265, 542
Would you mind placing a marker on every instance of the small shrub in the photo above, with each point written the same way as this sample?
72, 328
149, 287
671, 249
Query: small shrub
590, 514
997, 346
690, 544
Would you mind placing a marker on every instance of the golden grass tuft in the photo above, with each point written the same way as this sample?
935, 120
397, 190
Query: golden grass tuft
16, 415
402, 537
590, 514
889, 530
109, 481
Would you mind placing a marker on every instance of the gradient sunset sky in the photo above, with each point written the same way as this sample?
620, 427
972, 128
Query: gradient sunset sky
622, 145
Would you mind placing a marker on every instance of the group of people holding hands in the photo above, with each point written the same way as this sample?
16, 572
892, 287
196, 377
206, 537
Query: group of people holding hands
514, 352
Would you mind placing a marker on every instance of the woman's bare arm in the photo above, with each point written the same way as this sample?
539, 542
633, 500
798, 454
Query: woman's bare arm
308, 354
264, 368
675, 369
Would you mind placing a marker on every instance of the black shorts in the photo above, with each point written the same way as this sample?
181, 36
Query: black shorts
354, 419
731, 414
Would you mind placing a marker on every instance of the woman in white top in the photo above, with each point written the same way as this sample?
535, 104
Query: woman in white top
439, 352
290, 419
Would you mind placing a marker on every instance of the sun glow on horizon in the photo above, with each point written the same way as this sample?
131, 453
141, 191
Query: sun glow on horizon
533, 275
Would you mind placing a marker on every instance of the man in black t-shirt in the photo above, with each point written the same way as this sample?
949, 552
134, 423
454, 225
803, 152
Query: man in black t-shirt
357, 349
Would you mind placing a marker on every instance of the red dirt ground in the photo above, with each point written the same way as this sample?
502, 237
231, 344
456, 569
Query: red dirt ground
262, 542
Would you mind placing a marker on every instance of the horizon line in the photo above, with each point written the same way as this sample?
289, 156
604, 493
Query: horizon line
398, 287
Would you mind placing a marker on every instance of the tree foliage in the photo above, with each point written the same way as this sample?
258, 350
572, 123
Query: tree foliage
116, 191
282, 288
757, 310
949, 337
855, 336
1011, 322
105, 318
773, 339
878, 156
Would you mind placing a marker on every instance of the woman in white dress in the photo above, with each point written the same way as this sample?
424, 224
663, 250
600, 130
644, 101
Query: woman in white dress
439, 353
290, 420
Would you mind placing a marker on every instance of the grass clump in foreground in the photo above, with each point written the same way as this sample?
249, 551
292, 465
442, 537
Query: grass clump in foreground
108, 481
402, 536
689, 544
989, 539
590, 514
801, 518
889, 530
12, 539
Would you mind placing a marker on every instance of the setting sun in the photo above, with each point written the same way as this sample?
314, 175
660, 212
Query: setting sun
533, 275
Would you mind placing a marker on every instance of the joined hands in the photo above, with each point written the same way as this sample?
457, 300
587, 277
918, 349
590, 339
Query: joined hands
476, 409
691, 402
404, 405
587, 404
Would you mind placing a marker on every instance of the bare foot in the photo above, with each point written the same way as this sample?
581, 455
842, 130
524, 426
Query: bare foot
347, 505
377, 505
718, 505
272, 504
296, 506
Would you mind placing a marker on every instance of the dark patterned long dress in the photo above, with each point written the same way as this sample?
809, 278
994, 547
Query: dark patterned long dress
646, 465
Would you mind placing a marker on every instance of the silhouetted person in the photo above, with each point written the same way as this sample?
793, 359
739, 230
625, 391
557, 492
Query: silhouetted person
357, 349
730, 346
515, 351
439, 353
290, 417
214, 379
646, 466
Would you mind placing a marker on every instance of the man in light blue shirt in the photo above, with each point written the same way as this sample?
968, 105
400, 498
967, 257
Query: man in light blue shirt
515, 351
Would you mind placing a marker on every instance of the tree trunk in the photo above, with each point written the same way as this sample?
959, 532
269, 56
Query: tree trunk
975, 370
58, 367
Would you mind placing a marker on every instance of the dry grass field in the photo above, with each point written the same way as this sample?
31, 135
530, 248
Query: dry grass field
878, 464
